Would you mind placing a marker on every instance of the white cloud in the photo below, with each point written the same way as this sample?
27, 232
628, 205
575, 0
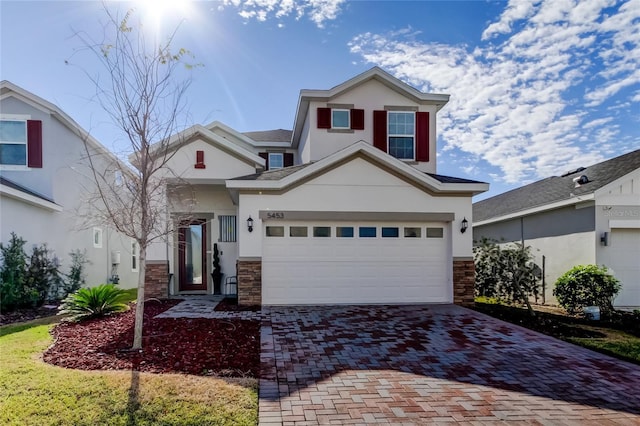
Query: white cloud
318, 11
513, 100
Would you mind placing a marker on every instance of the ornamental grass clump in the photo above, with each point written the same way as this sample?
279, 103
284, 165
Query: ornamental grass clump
94, 302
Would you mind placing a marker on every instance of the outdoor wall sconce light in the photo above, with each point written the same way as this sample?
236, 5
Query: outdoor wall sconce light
250, 224
464, 225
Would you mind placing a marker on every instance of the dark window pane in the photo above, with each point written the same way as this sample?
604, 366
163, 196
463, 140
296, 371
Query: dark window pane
321, 231
275, 231
298, 231
13, 154
344, 232
367, 232
411, 232
390, 232
435, 232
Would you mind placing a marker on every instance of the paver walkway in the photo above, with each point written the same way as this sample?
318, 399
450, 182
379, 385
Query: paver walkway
432, 364
204, 307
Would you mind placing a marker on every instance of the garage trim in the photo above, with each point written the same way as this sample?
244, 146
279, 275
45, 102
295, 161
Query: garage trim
356, 216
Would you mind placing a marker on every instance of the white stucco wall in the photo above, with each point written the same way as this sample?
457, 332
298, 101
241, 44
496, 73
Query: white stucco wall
356, 186
370, 96
65, 178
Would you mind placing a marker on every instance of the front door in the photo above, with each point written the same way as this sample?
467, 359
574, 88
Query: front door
192, 255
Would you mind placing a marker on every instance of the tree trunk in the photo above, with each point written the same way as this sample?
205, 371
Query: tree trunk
137, 329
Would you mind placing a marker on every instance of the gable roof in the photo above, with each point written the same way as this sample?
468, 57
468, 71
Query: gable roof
556, 189
184, 137
375, 73
289, 177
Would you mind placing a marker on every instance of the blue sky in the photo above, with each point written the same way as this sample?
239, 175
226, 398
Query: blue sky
537, 87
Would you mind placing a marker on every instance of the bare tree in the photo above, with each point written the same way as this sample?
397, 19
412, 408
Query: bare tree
143, 94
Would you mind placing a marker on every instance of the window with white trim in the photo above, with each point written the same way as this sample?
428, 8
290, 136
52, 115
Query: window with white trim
401, 134
13, 142
135, 254
276, 160
97, 237
340, 119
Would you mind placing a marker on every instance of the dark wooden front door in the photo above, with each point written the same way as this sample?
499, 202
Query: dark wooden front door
192, 255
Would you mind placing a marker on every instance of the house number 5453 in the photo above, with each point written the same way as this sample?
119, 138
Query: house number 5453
275, 215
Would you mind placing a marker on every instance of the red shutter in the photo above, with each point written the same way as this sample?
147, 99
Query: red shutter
265, 155
357, 119
288, 159
324, 118
200, 160
380, 130
422, 136
34, 143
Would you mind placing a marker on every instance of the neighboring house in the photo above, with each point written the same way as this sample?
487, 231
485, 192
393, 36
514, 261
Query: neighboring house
346, 208
587, 216
44, 179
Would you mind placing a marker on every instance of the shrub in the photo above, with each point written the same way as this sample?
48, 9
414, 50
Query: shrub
94, 302
42, 278
586, 285
13, 273
76, 276
505, 272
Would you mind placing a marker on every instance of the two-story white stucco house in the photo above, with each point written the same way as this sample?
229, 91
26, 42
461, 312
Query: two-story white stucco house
346, 208
44, 180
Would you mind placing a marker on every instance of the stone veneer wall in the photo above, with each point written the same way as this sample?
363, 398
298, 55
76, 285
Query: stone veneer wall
464, 277
156, 279
250, 282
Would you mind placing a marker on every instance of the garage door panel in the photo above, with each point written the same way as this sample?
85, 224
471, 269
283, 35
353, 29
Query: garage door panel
625, 265
298, 270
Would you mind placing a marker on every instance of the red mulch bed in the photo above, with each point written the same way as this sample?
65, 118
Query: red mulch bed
197, 346
28, 314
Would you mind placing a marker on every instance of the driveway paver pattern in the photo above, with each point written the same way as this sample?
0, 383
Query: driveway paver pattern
432, 364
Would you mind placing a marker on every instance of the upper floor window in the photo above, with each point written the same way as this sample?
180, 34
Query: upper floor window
276, 160
13, 142
401, 135
344, 118
20, 143
340, 119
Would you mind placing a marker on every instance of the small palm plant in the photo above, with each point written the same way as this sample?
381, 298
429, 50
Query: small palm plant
94, 302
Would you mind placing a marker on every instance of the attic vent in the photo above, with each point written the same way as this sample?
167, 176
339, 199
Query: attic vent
570, 172
581, 180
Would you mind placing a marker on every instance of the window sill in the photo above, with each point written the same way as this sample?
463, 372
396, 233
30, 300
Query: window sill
340, 131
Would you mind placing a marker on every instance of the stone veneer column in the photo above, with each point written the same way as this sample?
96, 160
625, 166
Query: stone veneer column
464, 278
156, 279
250, 281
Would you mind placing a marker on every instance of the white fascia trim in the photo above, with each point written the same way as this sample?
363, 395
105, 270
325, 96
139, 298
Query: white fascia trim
29, 199
349, 151
624, 224
533, 210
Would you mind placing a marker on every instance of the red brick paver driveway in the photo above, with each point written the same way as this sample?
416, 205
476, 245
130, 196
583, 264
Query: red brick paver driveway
432, 364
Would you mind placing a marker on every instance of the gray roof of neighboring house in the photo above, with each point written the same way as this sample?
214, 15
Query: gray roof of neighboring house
11, 184
279, 135
556, 188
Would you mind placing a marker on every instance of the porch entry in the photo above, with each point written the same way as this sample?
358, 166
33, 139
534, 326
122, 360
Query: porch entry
192, 255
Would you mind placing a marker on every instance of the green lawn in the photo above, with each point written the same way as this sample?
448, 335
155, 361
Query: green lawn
35, 393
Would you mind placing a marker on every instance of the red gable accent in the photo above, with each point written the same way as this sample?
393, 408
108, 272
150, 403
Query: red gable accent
357, 119
422, 136
324, 118
200, 160
380, 130
34, 143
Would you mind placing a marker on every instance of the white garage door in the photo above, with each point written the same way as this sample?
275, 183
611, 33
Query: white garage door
329, 263
625, 263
